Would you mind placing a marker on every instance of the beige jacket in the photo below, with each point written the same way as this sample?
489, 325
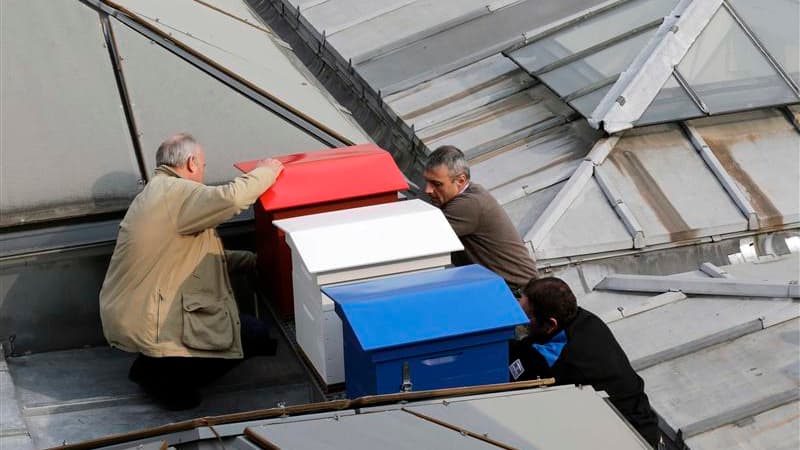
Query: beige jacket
167, 290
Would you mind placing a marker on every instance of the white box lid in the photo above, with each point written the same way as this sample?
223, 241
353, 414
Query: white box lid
369, 235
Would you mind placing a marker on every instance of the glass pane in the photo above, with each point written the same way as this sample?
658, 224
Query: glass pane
776, 23
586, 104
728, 72
671, 103
585, 34
596, 67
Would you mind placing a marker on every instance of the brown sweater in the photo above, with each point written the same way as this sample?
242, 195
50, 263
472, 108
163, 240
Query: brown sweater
488, 236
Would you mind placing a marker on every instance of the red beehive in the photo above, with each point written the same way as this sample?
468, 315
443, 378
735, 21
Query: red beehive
315, 182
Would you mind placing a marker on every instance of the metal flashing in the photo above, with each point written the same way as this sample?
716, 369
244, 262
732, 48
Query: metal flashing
713, 271
623, 211
740, 413
724, 178
640, 84
710, 286
650, 303
696, 345
571, 190
542, 32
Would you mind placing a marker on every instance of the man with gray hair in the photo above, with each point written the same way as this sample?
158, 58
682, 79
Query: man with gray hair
167, 294
484, 228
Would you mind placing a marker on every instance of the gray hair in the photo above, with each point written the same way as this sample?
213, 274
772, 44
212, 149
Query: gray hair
451, 157
176, 150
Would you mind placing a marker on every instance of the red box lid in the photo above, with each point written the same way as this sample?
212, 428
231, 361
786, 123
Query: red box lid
329, 175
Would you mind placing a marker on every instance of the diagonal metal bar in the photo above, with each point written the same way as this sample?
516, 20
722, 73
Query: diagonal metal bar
705, 286
222, 74
598, 47
739, 198
689, 91
761, 48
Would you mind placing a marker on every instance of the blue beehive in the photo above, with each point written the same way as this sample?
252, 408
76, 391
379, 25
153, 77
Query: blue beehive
430, 330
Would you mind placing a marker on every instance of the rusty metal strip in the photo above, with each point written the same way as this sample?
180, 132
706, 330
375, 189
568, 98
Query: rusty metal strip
336, 405
458, 429
234, 17
259, 440
724, 178
620, 207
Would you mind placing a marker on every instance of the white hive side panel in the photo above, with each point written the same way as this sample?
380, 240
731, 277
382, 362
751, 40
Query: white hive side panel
334, 344
247, 50
309, 320
66, 148
180, 98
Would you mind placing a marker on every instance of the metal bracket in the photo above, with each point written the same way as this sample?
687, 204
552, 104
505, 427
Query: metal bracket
406, 386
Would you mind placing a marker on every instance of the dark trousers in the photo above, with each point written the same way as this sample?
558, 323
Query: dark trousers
180, 374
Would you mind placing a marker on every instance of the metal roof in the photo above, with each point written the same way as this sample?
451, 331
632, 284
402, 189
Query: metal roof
712, 358
480, 417
657, 199
637, 62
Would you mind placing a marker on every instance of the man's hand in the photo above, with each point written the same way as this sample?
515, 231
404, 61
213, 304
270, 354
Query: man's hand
273, 163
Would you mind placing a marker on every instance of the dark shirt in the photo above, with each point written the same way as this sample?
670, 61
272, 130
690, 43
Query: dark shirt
488, 236
592, 356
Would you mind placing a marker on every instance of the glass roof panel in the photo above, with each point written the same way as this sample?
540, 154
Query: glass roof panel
776, 23
589, 32
587, 103
671, 103
727, 71
596, 67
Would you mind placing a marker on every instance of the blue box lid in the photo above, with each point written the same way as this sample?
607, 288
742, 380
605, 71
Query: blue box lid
425, 306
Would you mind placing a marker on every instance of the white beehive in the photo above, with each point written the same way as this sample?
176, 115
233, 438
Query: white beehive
353, 245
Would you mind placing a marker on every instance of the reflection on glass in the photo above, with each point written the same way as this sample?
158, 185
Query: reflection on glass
670, 104
586, 104
596, 67
728, 72
585, 34
776, 23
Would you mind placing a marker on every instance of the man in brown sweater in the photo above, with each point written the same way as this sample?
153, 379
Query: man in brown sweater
484, 228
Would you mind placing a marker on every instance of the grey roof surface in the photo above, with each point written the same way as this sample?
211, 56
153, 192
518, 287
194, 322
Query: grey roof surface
76, 395
496, 420
715, 361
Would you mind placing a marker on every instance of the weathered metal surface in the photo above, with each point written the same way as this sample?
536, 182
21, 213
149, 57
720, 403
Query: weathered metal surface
388, 430
774, 429
81, 394
576, 230
664, 182
710, 286
760, 152
511, 419
66, 150
713, 381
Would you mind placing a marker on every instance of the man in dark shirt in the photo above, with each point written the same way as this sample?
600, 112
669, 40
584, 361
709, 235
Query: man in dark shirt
576, 347
484, 228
